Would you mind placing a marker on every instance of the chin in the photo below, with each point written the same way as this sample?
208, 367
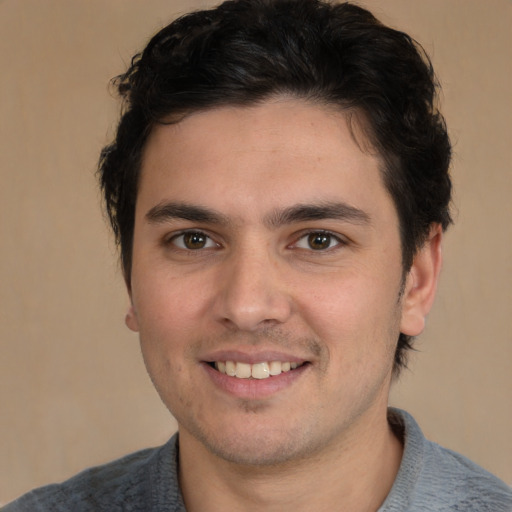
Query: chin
260, 454
258, 445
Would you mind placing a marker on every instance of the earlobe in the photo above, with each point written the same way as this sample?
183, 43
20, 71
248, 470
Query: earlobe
421, 284
131, 320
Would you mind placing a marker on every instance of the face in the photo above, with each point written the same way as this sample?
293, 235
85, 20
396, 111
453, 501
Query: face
266, 280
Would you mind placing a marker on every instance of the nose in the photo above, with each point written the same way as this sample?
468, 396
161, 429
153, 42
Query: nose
252, 293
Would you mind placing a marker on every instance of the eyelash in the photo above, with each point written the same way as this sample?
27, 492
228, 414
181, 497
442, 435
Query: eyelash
173, 240
322, 233
211, 244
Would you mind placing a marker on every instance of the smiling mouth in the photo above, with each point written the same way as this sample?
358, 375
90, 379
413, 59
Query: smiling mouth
263, 370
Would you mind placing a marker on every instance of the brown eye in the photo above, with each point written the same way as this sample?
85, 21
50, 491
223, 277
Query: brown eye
319, 241
193, 241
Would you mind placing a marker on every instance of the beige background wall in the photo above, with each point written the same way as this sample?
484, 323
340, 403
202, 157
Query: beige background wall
74, 391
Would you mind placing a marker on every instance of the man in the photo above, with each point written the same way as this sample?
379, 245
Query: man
279, 189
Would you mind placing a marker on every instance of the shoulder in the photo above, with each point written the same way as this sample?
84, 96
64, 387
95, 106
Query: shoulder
437, 479
129, 483
463, 484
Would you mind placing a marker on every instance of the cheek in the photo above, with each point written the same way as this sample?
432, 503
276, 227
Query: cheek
354, 316
165, 319
167, 305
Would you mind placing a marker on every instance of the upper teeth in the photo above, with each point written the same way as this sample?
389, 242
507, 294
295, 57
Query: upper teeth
256, 371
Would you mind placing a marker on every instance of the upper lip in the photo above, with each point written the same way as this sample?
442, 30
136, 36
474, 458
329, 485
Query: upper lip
252, 356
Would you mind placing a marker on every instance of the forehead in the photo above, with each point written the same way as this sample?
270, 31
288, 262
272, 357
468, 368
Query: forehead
274, 154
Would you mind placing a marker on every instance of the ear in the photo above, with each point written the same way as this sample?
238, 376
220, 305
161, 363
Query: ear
131, 320
421, 283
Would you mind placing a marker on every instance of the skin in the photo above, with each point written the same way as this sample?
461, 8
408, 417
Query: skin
252, 288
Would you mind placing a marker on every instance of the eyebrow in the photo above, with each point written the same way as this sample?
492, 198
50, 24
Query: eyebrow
167, 211
311, 212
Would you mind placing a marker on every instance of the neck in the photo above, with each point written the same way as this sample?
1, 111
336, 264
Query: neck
354, 474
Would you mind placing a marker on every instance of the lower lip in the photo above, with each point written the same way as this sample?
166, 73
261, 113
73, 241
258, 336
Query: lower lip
254, 389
